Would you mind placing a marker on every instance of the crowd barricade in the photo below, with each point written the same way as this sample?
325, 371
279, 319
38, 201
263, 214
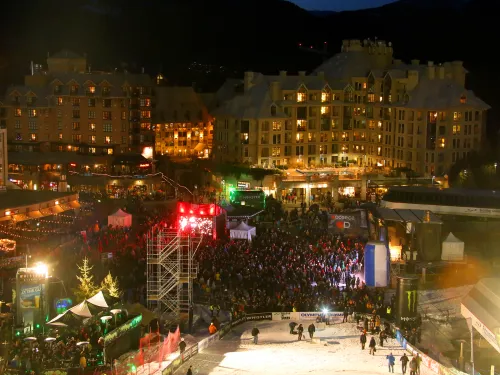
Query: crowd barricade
432, 366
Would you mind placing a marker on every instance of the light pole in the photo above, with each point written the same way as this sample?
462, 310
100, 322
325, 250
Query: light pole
495, 167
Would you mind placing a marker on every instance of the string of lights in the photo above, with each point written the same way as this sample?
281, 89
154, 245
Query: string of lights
165, 178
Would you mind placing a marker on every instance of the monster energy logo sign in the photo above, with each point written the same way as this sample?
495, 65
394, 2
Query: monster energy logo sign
412, 300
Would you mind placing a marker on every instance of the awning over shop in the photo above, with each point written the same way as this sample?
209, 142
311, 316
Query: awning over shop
74, 204
56, 209
406, 216
200, 147
65, 207
20, 217
46, 211
35, 214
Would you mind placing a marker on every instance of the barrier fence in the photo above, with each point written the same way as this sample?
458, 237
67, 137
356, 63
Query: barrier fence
431, 367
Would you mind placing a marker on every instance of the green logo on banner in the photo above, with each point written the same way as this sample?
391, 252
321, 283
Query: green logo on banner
412, 300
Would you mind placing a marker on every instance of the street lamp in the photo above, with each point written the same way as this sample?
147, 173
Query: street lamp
495, 167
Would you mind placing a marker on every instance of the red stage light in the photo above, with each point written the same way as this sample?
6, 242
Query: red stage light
190, 211
202, 212
181, 210
211, 210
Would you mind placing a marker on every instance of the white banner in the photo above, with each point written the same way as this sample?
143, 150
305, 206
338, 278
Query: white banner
314, 315
284, 316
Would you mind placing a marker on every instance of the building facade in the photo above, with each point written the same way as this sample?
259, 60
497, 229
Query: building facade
68, 107
4, 160
182, 123
362, 107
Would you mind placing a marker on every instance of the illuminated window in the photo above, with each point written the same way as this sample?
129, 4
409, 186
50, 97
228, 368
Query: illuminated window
92, 127
92, 139
371, 98
33, 136
75, 126
457, 116
277, 125
92, 150
364, 85
325, 110
60, 137
145, 102
301, 125
456, 129
463, 99
77, 138
32, 112
145, 114
107, 139
60, 101
276, 151
301, 96
110, 151
442, 143
17, 112
325, 96
91, 89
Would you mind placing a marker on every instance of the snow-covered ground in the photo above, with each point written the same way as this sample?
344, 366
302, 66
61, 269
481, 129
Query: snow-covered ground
278, 353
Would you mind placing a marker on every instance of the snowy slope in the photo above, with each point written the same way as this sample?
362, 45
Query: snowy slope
278, 353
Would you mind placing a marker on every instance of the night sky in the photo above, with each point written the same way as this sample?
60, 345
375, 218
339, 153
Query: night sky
339, 5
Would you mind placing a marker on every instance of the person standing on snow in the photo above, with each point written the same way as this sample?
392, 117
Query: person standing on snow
362, 340
390, 361
300, 330
404, 362
255, 334
311, 329
292, 326
413, 366
372, 346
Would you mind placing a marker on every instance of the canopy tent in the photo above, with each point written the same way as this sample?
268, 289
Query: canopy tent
453, 248
120, 219
81, 310
69, 318
100, 301
243, 232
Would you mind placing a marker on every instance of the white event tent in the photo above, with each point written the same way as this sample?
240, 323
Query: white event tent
243, 232
453, 248
120, 219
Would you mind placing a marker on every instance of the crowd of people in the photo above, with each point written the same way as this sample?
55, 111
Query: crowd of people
65, 349
280, 271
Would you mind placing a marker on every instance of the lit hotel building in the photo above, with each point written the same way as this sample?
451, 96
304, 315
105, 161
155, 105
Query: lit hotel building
360, 108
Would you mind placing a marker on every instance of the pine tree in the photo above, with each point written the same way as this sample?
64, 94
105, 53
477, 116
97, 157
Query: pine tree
86, 288
110, 285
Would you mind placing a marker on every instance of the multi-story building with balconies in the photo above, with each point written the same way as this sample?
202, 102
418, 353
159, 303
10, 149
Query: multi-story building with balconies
182, 123
68, 107
361, 107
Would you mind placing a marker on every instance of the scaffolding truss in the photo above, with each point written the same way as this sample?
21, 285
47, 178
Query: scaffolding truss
171, 269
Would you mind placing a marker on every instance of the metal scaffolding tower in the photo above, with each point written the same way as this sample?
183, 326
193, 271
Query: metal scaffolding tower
170, 272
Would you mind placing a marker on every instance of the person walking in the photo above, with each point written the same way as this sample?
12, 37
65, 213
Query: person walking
182, 345
255, 334
413, 366
190, 371
381, 338
390, 362
404, 362
300, 330
311, 329
418, 360
362, 340
346, 314
372, 346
